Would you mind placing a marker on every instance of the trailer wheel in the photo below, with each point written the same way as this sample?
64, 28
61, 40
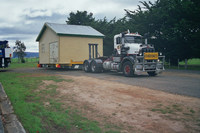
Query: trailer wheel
152, 73
95, 68
86, 66
128, 69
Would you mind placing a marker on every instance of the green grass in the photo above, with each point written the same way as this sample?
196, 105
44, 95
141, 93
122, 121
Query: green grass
173, 109
30, 62
28, 105
14, 65
35, 116
51, 86
48, 91
194, 61
192, 111
163, 111
167, 109
177, 108
192, 64
26, 60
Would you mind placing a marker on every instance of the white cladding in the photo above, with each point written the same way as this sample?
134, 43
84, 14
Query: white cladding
134, 47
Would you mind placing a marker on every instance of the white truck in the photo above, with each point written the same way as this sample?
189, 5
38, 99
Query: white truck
5, 54
130, 56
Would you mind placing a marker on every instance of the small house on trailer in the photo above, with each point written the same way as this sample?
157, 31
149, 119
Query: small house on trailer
62, 45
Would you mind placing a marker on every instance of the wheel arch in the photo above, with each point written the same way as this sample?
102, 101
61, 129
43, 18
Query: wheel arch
89, 61
125, 59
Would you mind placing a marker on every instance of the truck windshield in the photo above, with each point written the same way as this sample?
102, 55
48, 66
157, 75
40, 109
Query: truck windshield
133, 39
2, 46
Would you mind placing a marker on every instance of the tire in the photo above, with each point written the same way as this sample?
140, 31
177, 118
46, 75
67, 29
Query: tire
152, 73
95, 68
128, 69
86, 66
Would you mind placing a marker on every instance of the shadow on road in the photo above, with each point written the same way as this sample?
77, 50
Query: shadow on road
3, 70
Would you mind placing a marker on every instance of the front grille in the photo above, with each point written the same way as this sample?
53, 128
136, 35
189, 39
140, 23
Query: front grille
149, 60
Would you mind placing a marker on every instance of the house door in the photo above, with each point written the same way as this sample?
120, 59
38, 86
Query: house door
54, 52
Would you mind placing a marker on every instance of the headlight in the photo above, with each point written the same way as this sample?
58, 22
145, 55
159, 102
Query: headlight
160, 54
158, 60
140, 54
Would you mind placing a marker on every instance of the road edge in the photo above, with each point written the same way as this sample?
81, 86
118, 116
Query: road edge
7, 117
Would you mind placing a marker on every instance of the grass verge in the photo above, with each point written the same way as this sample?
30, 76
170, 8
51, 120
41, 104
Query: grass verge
192, 64
14, 65
39, 111
194, 61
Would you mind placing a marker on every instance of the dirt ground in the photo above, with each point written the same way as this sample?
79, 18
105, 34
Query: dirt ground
130, 108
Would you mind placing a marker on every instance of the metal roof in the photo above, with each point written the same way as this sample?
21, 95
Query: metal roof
71, 30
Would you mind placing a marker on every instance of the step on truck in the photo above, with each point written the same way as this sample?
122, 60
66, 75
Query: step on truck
5, 54
130, 56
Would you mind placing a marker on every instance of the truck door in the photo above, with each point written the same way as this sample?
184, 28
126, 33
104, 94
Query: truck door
54, 52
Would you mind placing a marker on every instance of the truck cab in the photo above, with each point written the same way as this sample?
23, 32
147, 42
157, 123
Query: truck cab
131, 40
5, 54
130, 56
131, 48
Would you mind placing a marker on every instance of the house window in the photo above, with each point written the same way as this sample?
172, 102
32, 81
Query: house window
43, 48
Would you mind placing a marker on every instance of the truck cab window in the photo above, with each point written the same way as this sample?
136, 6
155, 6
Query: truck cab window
133, 39
118, 40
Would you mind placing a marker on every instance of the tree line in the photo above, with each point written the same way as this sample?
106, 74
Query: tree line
173, 26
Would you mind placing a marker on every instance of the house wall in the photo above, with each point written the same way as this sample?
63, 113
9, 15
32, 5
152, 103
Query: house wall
44, 44
76, 48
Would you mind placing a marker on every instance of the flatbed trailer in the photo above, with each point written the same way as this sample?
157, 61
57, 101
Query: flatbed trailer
71, 65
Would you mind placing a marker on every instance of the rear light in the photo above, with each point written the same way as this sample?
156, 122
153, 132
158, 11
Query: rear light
39, 65
58, 66
10, 55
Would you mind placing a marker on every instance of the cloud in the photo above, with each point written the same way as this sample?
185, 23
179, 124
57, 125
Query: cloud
5, 25
37, 13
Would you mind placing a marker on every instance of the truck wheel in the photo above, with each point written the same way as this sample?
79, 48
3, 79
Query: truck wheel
128, 69
86, 66
152, 73
95, 68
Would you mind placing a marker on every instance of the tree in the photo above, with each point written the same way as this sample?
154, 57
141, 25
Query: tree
80, 18
174, 23
20, 49
109, 29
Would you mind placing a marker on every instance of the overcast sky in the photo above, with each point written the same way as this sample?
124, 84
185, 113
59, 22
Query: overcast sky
23, 19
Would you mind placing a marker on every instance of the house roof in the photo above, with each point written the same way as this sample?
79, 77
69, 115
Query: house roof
70, 30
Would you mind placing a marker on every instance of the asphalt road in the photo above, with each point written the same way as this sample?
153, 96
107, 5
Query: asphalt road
180, 82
